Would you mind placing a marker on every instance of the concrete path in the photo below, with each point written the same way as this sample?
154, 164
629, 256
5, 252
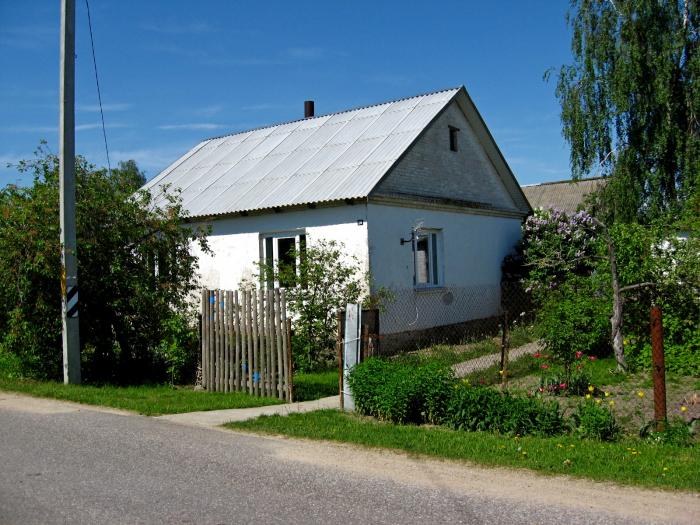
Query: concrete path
213, 418
485, 361
66, 463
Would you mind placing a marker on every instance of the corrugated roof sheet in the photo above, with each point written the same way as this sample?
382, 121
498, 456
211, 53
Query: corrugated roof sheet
565, 195
327, 158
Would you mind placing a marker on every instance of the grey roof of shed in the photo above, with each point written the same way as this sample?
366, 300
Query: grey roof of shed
565, 195
321, 159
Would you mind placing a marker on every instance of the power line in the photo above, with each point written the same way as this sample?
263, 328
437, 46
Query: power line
97, 81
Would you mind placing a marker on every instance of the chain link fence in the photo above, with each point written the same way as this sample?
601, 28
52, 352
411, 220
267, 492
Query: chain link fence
478, 328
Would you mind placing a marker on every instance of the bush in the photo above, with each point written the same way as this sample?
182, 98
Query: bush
681, 346
592, 421
10, 365
485, 409
135, 266
326, 280
401, 393
676, 433
575, 318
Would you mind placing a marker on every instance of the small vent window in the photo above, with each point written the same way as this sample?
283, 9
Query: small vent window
453, 137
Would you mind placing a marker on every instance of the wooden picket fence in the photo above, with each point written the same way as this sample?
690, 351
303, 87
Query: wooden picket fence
246, 342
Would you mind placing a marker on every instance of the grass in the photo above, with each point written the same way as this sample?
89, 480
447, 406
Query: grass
453, 354
523, 366
315, 385
149, 400
632, 462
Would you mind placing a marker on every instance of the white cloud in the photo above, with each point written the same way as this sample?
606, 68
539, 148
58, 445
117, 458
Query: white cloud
97, 125
172, 27
209, 111
192, 126
305, 53
29, 129
94, 108
152, 160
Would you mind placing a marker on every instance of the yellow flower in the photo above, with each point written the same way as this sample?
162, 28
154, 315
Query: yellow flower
665, 468
572, 446
684, 408
588, 396
607, 394
597, 401
591, 388
559, 445
612, 403
640, 393
500, 372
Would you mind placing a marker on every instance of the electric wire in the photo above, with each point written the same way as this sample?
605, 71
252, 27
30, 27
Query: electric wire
97, 82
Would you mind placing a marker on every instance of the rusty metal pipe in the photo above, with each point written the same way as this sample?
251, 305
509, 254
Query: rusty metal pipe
658, 368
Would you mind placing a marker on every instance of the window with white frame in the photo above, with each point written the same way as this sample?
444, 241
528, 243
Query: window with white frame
282, 251
428, 258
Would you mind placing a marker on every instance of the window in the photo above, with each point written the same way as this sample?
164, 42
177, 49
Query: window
428, 259
281, 251
453, 137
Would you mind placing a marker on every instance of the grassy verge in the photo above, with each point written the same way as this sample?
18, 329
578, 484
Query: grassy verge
147, 400
315, 385
631, 462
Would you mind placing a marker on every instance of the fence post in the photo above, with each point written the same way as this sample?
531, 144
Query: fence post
658, 368
339, 351
505, 344
204, 323
290, 365
364, 352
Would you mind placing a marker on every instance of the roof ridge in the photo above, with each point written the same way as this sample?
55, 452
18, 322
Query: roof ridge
331, 114
565, 181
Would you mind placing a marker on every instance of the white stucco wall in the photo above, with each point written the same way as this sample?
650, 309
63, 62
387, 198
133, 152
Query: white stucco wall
473, 247
235, 241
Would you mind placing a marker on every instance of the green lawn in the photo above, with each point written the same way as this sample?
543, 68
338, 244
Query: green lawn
315, 385
630, 462
146, 400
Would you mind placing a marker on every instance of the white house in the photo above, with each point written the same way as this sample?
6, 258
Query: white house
416, 188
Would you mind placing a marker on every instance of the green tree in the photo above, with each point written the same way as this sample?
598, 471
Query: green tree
631, 103
327, 279
136, 274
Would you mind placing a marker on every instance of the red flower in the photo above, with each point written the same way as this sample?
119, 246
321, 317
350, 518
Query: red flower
544, 366
562, 385
536, 355
579, 354
591, 357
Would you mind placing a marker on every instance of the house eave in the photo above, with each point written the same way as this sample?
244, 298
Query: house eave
276, 210
444, 204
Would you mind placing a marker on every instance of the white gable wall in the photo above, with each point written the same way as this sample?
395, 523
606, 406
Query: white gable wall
472, 249
235, 241
429, 168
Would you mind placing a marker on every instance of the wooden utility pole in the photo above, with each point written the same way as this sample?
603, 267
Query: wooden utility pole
69, 274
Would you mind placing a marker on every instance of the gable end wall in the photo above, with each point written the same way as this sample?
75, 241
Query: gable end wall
429, 168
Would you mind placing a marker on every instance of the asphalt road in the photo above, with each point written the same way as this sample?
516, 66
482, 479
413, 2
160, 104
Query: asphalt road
60, 463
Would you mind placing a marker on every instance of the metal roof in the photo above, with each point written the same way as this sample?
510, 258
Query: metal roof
565, 195
326, 158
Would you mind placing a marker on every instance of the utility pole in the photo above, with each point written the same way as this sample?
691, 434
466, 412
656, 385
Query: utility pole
69, 273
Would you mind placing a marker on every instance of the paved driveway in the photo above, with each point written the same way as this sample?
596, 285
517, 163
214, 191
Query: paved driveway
64, 463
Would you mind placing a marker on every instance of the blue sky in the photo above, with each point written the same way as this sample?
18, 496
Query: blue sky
175, 72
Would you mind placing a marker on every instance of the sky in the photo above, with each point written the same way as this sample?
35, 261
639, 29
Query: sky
173, 73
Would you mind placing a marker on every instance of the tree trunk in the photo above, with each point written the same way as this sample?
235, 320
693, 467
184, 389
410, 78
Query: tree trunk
616, 318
